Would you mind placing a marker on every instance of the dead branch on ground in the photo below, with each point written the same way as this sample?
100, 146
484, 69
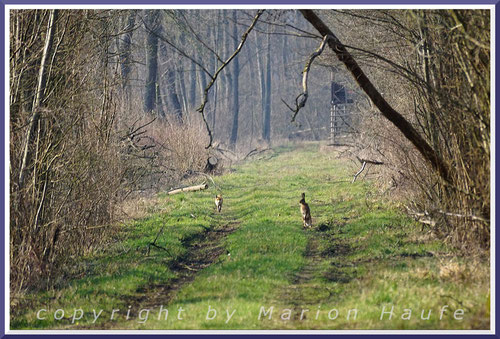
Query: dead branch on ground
157, 246
255, 151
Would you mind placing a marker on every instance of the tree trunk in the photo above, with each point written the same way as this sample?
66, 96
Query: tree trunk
189, 189
174, 105
432, 127
125, 49
217, 35
159, 100
260, 70
378, 100
227, 78
235, 90
266, 127
192, 85
181, 89
152, 24
203, 82
253, 83
180, 85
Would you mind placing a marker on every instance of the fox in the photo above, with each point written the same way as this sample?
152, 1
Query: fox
306, 212
218, 202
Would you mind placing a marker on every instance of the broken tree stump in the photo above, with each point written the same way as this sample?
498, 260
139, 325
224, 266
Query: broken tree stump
211, 165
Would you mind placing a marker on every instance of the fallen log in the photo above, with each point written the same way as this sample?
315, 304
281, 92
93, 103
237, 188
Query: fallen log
189, 189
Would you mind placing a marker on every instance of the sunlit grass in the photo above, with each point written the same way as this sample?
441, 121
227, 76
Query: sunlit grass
372, 256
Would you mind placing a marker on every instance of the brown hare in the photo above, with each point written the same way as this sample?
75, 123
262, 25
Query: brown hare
306, 212
218, 202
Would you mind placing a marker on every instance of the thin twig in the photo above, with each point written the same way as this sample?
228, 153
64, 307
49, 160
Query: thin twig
157, 246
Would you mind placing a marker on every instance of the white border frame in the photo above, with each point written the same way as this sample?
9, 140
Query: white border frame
228, 332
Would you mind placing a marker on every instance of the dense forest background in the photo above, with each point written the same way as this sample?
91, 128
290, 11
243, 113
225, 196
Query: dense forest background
105, 106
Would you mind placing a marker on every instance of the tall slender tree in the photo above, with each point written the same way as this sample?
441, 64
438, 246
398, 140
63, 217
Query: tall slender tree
39, 94
266, 123
235, 70
152, 25
173, 103
125, 47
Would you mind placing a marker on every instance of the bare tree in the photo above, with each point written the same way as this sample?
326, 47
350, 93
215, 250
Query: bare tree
152, 26
39, 96
266, 114
234, 86
125, 49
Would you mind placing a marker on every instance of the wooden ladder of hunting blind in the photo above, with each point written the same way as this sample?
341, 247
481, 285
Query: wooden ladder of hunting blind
341, 122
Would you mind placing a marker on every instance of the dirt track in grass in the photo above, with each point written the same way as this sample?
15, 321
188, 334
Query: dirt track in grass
203, 250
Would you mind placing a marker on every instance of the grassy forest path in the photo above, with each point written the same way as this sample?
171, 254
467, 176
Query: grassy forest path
361, 253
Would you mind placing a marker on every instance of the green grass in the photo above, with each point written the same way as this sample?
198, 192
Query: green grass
368, 256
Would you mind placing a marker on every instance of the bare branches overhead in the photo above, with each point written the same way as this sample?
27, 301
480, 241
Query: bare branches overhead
221, 67
387, 111
179, 50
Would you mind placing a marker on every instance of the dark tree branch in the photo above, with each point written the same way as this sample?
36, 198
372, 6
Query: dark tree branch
405, 72
157, 246
373, 162
284, 26
132, 133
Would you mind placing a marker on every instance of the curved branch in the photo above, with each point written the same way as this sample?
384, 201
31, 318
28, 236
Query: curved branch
363, 165
305, 74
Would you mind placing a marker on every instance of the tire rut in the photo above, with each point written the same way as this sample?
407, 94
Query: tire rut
303, 291
203, 250
306, 290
